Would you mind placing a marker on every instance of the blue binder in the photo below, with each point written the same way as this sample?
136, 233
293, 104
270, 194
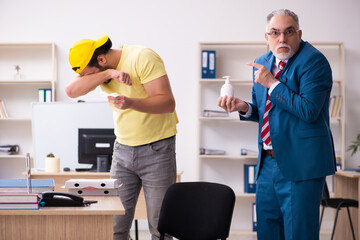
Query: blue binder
254, 220
249, 178
212, 64
48, 95
204, 64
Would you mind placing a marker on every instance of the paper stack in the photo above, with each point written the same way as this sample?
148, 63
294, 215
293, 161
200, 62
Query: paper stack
93, 187
19, 201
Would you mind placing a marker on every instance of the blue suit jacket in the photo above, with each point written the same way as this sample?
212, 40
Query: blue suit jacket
299, 116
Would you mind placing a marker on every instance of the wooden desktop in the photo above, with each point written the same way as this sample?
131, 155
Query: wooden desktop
70, 223
61, 177
346, 185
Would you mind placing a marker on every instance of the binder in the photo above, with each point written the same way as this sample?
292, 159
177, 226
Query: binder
249, 178
204, 64
254, 220
212, 64
48, 95
41, 95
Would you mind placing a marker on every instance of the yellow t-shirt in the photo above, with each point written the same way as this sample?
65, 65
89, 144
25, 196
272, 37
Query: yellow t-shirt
135, 128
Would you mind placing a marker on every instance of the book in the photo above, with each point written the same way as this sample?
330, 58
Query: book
335, 110
19, 198
19, 206
20, 185
338, 109
214, 113
249, 178
3, 111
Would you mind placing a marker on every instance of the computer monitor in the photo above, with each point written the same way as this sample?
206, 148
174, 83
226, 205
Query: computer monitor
95, 146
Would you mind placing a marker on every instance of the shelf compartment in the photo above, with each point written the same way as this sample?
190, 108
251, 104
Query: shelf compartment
235, 157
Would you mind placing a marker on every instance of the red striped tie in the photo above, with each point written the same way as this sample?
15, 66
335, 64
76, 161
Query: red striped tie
265, 131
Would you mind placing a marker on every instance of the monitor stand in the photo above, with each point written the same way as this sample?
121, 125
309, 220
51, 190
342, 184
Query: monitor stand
102, 163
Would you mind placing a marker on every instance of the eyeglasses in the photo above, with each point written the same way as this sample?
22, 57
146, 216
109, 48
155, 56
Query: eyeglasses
287, 33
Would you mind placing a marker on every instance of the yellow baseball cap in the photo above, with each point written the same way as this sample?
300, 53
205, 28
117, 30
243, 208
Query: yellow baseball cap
81, 52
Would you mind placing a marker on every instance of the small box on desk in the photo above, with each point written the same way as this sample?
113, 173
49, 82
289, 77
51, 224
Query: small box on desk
93, 187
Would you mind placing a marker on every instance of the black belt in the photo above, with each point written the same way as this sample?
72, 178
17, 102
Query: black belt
269, 153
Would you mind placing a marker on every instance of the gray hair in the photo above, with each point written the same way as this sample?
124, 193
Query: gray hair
285, 12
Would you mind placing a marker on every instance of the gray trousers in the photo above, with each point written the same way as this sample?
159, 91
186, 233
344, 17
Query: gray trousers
152, 166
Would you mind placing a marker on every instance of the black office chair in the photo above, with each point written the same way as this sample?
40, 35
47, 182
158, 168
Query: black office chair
197, 210
336, 203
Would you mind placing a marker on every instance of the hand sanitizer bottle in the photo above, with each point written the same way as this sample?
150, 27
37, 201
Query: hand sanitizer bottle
227, 89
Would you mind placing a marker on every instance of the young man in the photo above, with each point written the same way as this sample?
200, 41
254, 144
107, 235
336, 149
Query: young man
144, 119
290, 100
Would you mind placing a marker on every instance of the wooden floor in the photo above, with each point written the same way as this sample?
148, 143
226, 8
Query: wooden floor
145, 235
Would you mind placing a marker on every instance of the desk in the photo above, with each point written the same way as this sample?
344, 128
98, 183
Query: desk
70, 223
346, 185
61, 177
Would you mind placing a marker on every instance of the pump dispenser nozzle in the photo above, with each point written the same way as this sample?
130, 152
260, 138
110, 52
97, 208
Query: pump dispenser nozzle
227, 79
227, 89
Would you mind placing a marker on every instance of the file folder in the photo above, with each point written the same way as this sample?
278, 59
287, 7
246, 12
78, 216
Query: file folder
204, 64
254, 220
48, 95
41, 95
212, 64
249, 178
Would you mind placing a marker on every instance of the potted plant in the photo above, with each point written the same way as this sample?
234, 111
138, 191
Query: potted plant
52, 163
354, 147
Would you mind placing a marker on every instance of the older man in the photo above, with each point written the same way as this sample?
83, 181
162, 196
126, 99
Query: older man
290, 100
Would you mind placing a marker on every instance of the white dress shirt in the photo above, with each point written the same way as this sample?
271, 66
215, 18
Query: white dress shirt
275, 69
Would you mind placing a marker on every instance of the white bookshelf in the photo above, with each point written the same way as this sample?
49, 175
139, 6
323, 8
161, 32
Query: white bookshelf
37, 62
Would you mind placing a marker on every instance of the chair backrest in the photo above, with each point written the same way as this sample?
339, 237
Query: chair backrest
325, 194
197, 210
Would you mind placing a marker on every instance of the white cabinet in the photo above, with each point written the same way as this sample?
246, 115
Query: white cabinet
37, 63
229, 134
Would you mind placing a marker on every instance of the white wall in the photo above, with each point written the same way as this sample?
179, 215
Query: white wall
174, 28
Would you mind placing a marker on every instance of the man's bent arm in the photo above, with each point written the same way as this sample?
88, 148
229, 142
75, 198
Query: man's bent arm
160, 100
82, 85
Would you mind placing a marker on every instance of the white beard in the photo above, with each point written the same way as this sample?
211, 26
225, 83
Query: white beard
284, 56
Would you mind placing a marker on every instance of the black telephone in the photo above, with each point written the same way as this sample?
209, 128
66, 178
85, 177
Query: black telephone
62, 199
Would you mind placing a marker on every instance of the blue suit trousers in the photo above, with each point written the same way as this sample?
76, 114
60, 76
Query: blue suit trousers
286, 209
